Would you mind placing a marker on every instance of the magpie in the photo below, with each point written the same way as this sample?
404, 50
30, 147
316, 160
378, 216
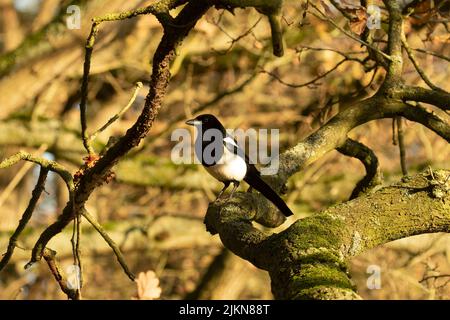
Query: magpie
221, 156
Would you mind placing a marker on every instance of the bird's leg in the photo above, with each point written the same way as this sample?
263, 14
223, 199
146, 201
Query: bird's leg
235, 186
226, 185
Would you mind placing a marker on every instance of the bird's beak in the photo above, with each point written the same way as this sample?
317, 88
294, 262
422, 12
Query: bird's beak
193, 122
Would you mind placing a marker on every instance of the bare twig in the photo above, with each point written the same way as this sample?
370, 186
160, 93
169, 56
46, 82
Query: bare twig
323, 16
216, 99
36, 194
419, 70
234, 40
110, 242
159, 9
75, 241
441, 56
308, 83
44, 163
401, 145
341, 10
117, 116
435, 277
84, 87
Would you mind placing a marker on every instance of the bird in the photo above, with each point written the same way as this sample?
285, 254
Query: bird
223, 159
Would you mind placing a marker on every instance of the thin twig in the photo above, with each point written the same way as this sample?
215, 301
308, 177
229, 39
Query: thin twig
416, 65
401, 145
36, 194
235, 40
75, 241
342, 10
217, 98
324, 17
117, 116
110, 242
441, 56
84, 87
159, 9
293, 85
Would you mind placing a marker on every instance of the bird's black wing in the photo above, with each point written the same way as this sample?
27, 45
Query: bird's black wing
253, 177
233, 147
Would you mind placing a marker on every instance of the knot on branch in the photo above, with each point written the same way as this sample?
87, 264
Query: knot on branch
440, 183
243, 207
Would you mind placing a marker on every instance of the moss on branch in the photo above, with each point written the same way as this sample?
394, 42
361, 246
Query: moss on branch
308, 260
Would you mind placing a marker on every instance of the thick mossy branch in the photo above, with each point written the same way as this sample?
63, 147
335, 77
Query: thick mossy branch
309, 259
368, 158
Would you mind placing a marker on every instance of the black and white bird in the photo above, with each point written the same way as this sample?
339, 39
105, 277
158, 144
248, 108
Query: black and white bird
227, 162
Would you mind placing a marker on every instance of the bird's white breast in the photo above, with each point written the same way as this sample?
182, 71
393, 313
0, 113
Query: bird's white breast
229, 167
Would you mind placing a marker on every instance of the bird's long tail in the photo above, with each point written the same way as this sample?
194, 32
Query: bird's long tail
256, 182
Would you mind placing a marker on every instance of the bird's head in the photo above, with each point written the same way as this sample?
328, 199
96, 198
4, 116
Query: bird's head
206, 121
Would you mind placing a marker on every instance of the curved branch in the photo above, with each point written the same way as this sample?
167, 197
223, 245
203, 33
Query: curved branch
355, 149
334, 133
50, 165
233, 224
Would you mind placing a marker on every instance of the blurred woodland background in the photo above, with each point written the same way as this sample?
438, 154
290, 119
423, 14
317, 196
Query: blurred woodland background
154, 209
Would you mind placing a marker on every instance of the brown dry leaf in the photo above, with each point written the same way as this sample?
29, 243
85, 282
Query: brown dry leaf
358, 24
147, 286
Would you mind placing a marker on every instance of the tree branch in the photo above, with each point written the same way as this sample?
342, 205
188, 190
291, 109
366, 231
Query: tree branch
50, 258
419, 70
93, 176
394, 71
110, 242
309, 259
355, 149
36, 194
437, 98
